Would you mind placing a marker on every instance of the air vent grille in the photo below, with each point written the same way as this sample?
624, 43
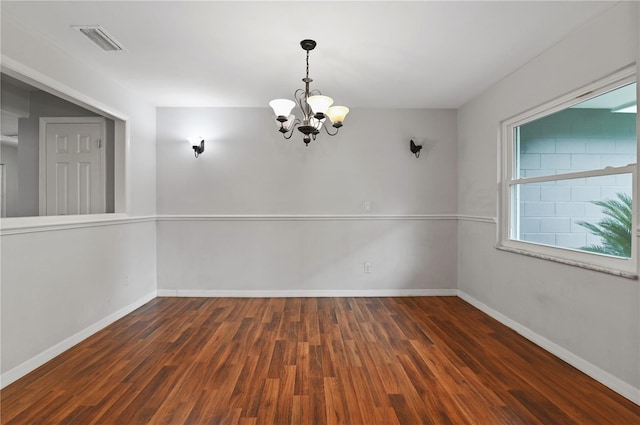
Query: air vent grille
100, 37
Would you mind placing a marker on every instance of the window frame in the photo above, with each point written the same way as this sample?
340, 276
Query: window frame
508, 179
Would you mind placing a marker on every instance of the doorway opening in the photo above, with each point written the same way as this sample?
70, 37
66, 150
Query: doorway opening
58, 156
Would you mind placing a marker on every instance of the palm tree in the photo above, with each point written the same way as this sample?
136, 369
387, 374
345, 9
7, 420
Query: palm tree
614, 229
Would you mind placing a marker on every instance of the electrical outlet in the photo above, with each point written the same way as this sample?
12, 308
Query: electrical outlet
126, 280
367, 267
367, 206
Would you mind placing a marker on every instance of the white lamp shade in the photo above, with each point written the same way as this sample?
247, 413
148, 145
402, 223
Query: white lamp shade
319, 104
282, 107
337, 113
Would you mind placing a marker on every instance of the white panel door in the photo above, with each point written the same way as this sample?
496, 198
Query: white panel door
74, 169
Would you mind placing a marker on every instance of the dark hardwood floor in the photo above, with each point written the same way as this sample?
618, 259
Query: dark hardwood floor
432, 360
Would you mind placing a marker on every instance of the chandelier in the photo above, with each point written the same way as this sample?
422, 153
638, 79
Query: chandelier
315, 108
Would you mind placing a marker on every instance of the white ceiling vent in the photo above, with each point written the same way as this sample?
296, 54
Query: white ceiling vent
100, 37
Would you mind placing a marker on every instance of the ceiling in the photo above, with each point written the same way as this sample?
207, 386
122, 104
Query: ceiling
383, 54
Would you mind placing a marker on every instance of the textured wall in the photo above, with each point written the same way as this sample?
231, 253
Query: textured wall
248, 169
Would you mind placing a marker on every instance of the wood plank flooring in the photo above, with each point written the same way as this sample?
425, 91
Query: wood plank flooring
320, 361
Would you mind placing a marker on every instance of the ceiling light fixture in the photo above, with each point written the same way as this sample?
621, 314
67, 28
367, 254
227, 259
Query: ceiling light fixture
314, 106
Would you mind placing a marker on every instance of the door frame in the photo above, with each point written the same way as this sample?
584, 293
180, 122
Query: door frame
42, 186
3, 190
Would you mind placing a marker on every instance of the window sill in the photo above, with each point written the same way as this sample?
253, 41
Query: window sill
574, 263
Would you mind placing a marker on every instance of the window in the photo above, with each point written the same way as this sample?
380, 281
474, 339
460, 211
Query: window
568, 190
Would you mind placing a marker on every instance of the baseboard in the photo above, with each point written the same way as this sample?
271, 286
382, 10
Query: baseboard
306, 293
40, 359
616, 384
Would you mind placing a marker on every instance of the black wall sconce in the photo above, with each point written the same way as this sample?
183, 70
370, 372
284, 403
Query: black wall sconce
415, 149
198, 148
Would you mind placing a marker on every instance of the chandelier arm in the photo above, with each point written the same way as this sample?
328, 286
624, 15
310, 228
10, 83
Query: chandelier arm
300, 97
301, 100
326, 127
290, 132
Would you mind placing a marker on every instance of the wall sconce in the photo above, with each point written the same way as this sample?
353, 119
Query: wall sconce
198, 148
415, 149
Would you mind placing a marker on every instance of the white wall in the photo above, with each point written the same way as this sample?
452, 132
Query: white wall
51, 293
249, 169
592, 317
61, 283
